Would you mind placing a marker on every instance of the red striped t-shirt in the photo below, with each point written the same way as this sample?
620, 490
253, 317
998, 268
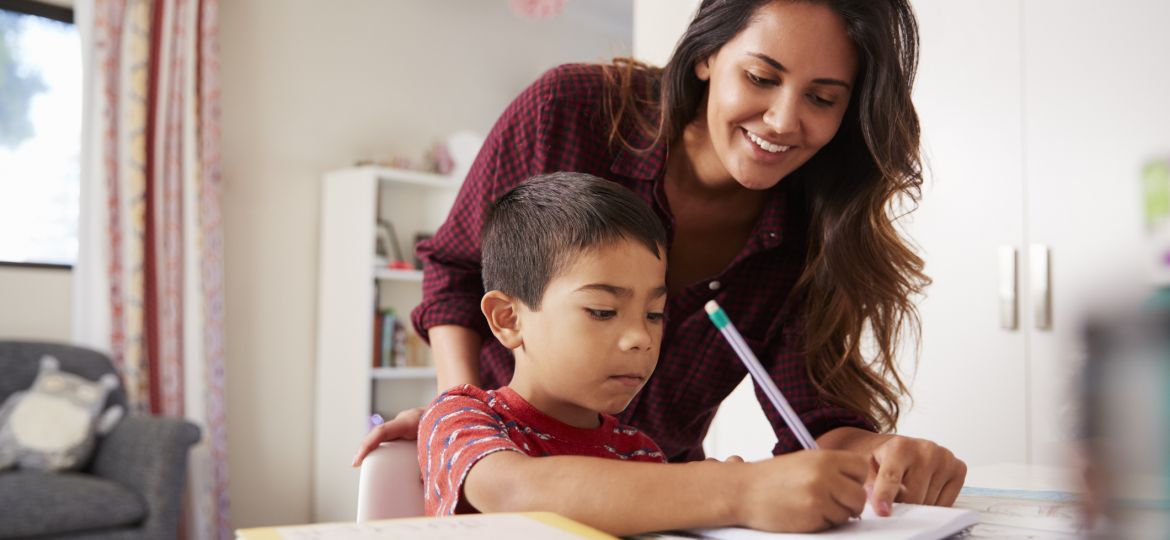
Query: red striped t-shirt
465, 424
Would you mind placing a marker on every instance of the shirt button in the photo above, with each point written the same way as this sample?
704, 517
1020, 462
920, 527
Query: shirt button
714, 285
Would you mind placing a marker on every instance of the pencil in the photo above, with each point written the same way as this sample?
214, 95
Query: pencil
759, 374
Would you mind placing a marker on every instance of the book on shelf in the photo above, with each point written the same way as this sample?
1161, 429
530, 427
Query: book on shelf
396, 344
389, 324
377, 350
398, 351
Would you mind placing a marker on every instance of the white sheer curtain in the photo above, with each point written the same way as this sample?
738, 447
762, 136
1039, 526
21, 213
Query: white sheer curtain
148, 283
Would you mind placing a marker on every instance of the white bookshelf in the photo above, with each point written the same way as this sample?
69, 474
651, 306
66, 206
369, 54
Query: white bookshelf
349, 388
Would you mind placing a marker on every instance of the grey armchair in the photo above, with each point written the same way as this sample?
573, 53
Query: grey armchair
133, 485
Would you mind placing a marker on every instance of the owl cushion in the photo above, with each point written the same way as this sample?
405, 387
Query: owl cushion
52, 425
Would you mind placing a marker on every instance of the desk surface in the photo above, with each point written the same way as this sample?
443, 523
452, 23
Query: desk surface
1023, 501
1023, 476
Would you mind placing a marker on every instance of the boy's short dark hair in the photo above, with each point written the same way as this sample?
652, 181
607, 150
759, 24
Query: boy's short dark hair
533, 231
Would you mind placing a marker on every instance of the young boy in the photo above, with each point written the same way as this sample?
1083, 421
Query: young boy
575, 270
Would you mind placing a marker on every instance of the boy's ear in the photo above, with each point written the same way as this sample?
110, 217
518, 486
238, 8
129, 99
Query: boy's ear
502, 314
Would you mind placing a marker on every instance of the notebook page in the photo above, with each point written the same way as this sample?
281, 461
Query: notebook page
907, 522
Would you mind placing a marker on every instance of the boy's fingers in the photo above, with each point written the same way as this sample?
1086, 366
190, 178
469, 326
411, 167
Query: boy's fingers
855, 467
848, 496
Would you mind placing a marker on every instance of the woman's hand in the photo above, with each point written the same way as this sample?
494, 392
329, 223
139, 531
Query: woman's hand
917, 471
403, 426
802, 491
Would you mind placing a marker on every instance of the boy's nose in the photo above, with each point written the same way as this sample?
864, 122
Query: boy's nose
636, 337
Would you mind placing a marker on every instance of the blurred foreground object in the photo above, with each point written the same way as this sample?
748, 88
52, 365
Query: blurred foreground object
1127, 419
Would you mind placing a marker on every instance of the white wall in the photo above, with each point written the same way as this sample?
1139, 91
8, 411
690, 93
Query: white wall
310, 86
658, 25
34, 303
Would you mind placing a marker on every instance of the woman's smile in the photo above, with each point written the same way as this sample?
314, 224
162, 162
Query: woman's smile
763, 151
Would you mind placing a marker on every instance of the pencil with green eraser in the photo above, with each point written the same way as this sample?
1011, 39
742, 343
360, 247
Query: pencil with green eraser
759, 374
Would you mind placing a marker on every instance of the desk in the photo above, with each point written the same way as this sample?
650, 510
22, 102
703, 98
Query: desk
1023, 501
1014, 500
1024, 477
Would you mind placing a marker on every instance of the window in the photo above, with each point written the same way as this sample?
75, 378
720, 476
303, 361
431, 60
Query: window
40, 133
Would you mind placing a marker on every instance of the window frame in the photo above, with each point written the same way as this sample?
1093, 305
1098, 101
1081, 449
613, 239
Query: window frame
56, 13
40, 9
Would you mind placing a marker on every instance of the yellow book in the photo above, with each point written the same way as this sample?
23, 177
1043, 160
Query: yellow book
544, 525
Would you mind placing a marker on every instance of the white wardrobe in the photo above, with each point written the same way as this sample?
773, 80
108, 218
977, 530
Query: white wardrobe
1038, 116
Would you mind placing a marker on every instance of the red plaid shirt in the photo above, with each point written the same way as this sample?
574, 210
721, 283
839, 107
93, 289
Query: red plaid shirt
557, 124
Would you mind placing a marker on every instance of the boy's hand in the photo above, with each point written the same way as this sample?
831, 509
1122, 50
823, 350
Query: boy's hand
803, 491
403, 426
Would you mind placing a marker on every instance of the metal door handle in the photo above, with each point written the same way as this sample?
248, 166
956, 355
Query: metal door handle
1041, 286
1008, 303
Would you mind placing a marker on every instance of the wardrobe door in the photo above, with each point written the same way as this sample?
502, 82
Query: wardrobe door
1096, 105
969, 386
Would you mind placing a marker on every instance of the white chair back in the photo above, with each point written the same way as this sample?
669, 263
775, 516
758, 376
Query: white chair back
390, 485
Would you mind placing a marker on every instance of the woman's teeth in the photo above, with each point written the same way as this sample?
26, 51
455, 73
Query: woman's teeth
767, 146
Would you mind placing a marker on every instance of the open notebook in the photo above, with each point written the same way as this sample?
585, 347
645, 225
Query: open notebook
907, 522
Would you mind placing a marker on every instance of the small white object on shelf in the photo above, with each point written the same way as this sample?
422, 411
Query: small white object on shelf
403, 373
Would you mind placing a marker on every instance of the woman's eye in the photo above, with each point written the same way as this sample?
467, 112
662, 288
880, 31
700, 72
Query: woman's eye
655, 316
601, 314
820, 101
760, 81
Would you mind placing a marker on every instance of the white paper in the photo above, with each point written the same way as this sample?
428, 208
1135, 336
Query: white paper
906, 522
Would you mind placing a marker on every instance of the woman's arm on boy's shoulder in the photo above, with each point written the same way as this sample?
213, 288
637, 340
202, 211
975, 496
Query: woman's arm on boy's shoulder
799, 492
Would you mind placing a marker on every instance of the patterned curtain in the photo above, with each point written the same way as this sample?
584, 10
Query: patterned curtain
148, 284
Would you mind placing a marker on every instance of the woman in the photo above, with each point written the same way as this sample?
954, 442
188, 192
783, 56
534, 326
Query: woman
773, 145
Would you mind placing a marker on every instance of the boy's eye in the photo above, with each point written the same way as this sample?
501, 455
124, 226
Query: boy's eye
601, 314
760, 81
655, 316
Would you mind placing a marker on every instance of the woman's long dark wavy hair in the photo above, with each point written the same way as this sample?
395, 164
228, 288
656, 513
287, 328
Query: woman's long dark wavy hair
861, 276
